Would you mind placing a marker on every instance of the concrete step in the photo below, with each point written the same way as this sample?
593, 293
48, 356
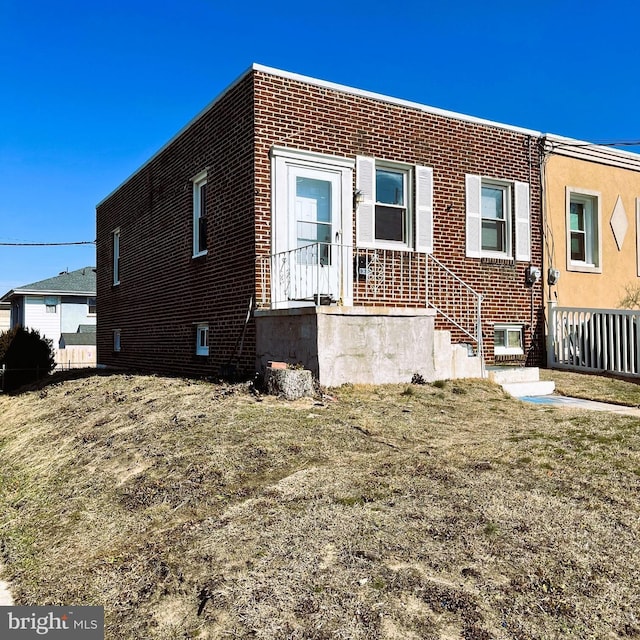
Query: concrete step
534, 388
503, 375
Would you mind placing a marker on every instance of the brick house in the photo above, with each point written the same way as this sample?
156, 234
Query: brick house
299, 220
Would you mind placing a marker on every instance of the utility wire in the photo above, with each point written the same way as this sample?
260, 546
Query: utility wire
44, 244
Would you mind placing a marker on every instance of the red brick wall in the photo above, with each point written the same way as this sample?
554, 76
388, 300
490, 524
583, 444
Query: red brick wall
163, 291
302, 116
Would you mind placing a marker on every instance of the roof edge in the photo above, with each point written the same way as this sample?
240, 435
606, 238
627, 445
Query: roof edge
591, 152
391, 100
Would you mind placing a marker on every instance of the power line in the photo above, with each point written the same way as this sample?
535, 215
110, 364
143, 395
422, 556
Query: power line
45, 244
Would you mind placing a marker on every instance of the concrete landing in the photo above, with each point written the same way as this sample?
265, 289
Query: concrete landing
520, 381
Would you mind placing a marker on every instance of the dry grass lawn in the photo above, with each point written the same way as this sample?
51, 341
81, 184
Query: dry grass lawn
443, 511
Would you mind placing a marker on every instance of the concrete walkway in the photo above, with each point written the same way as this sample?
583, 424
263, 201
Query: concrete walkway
5, 595
564, 402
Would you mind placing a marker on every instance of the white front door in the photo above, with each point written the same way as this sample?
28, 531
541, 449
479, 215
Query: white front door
312, 232
314, 201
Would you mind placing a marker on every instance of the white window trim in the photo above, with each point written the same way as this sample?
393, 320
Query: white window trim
418, 206
506, 350
89, 306
202, 329
590, 265
506, 187
198, 182
407, 173
518, 220
117, 337
116, 256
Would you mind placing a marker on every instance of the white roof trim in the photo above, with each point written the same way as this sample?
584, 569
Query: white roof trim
398, 101
590, 152
13, 293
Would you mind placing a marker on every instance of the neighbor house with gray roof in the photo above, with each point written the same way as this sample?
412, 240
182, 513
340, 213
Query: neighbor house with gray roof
62, 309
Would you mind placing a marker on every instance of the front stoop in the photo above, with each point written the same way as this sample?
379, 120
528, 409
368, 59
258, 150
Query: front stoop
521, 381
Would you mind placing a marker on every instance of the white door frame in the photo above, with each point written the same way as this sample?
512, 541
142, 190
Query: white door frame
286, 164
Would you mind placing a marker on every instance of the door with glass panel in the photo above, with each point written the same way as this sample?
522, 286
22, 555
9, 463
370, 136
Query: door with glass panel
314, 235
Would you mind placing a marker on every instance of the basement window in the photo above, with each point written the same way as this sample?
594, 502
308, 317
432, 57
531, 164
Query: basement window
508, 340
202, 340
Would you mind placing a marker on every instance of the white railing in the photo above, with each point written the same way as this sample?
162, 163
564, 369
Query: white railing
593, 339
325, 273
309, 274
455, 300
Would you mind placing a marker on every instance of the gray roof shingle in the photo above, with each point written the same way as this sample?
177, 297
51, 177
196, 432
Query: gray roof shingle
81, 281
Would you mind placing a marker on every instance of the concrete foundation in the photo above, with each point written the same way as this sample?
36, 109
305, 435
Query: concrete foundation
365, 345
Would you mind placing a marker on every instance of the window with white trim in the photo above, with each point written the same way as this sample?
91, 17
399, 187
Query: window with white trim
91, 306
508, 339
199, 214
395, 205
116, 256
498, 218
202, 340
583, 230
51, 304
116, 340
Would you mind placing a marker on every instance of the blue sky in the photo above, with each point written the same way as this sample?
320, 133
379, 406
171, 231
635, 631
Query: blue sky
89, 91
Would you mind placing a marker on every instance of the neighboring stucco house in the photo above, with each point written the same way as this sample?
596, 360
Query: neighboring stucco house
592, 209
58, 306
592, 255
296, 219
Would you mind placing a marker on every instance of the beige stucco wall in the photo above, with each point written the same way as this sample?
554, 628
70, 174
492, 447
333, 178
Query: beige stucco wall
619, 267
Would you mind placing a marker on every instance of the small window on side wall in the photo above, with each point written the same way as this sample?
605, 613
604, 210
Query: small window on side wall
508, 339
116, 340
91, 306
202, 340
116, 257
199, 214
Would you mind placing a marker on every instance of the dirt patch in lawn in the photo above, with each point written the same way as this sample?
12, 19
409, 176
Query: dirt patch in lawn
195, 510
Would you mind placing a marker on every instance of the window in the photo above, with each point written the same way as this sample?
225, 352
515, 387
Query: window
116, 257
116, 340
508, 339
498, 219
395, 205
91, 304
583, 231
51, 304
391, 220
199, 214
202, 340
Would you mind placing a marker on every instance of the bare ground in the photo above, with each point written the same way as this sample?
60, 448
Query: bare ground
194, 510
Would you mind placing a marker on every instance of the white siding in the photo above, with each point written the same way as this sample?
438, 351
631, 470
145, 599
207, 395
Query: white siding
36, 317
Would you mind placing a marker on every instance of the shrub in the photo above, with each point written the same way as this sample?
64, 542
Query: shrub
26, 357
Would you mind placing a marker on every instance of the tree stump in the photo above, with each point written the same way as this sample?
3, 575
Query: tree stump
290, 384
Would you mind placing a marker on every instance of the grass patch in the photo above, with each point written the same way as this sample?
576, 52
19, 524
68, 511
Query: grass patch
195, 510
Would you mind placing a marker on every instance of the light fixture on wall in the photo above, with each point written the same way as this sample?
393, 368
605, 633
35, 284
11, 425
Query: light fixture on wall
358, 197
